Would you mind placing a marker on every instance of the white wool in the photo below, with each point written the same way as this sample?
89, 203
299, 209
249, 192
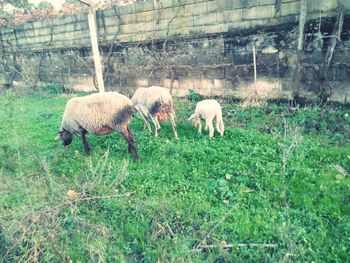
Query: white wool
208, 110
95, 111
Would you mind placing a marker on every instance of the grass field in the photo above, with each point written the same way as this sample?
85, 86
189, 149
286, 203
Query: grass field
278, 177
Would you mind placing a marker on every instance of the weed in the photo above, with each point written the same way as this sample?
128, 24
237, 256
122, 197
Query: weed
194, 96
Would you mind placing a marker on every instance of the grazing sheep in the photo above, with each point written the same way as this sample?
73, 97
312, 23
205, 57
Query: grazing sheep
156, 103
98, 114
208, 110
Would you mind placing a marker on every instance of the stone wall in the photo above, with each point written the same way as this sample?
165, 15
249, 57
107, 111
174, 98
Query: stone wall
194, 44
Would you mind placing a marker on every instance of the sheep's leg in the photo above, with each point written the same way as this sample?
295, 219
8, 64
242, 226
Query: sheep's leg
131, 143
172, 120
146, 122
209, 123
156, 124
85, 143
199, 123
221, 123
218, 124
143, 116
206, 125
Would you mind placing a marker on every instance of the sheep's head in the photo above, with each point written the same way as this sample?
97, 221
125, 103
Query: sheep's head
193, 119
65, 136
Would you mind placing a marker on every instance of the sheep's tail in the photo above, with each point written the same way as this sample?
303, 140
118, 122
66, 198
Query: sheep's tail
220, 123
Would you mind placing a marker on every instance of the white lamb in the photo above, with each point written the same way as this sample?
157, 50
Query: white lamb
156, 103
208, 110
98, 114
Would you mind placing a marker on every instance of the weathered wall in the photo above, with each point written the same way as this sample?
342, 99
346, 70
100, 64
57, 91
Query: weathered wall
195, 44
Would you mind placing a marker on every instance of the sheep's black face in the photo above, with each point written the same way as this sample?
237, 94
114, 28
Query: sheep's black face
66, 137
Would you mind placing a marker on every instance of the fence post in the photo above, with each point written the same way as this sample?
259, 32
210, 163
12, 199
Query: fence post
254, 62
94, 43
95, 51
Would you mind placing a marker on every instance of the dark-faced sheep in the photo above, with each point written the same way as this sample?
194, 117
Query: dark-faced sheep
98, 114
156, 103
208, 110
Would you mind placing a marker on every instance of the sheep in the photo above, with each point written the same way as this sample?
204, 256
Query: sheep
156, 103
208, 110
98, 114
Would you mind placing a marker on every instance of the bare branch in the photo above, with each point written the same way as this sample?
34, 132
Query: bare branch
325, 92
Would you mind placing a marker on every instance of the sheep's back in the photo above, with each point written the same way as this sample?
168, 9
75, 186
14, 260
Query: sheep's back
208, 108
92, 112
147, 97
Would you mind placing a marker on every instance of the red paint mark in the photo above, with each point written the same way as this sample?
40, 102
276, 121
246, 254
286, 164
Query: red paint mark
162, 115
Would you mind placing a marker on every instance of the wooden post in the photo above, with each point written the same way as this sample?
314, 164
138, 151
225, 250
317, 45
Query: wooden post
296, 76
302, 20
95, 51
254, 61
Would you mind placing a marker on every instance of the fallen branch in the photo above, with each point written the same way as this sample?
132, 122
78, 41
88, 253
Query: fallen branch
210, 232
200, 248
170, 230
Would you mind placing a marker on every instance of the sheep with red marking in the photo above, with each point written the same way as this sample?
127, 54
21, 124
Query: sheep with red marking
155, 103
98, 114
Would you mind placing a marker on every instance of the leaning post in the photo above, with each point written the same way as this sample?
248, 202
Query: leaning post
94, 44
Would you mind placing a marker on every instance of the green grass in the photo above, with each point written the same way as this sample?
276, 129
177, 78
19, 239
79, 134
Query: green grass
179, 189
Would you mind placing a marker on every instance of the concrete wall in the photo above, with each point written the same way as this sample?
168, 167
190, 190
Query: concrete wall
195, 44
150, 20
